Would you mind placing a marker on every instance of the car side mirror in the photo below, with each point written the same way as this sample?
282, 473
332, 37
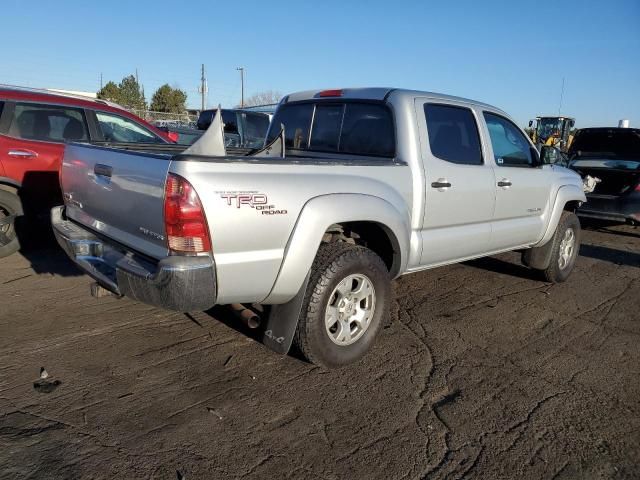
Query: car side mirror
552, 156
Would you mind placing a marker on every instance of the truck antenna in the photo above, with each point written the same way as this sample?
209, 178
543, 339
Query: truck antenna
561, 95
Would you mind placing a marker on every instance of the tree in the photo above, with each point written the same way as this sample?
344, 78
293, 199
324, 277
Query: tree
168, 99
110, 92
131, 95
128, 93
263, 98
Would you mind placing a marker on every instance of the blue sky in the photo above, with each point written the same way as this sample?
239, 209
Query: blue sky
512, 54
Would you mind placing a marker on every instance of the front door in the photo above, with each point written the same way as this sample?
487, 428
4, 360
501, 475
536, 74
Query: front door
523, 188
459, 197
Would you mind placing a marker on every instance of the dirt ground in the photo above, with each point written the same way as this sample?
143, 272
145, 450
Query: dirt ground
484, 372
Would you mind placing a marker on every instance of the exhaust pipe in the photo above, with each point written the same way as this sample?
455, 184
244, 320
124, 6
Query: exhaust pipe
247, 316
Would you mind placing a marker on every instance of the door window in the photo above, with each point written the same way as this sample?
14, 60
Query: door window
453, 134
48, 123
123, 130
510, 146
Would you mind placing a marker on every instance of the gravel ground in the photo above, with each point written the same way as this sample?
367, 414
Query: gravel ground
484, 372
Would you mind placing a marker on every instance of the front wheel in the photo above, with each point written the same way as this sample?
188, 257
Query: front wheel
346, 301
564, 250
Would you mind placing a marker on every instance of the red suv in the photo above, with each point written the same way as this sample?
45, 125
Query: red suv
34, 126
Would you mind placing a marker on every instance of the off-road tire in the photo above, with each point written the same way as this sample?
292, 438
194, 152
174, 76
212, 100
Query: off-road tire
333, 263
10, 204
553, 273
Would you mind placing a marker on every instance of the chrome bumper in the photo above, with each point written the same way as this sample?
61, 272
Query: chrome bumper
179, 283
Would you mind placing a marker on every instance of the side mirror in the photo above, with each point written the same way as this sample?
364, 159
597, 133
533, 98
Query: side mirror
552, 156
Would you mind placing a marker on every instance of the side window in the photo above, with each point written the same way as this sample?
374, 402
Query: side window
510, 146
123, 130
48, 123
453, 134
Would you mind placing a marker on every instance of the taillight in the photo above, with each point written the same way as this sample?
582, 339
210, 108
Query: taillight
184, 219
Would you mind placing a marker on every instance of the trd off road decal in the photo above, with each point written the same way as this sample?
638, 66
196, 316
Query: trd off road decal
255, 200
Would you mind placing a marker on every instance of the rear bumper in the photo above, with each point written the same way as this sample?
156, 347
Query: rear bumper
623, 209
175, 283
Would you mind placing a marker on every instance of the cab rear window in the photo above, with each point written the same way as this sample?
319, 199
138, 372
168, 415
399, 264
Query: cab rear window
336, 127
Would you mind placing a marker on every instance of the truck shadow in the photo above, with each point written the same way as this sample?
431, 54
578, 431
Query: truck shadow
45, 256
597, 252
497, 265
613, 255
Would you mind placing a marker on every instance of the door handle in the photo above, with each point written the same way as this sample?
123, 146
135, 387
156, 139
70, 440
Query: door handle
22, 153
102, 170
504, 183
441, 184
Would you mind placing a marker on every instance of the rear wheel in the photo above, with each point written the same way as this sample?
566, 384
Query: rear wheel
564, 251
346, 301
10, 209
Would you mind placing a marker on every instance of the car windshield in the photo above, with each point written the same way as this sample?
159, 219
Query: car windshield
607, 143
124, 130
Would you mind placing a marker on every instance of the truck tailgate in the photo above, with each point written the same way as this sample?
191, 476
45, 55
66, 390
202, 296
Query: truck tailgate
118, 193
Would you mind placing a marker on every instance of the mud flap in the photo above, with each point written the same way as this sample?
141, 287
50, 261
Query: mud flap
282, 322
538, 258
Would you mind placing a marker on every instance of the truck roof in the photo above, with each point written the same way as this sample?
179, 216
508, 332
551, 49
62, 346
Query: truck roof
376, 93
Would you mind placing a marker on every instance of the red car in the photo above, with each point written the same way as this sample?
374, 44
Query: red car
34, 126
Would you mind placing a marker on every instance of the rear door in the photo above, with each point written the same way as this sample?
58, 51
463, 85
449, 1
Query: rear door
118, 193
522, 188
31, 147
459, 183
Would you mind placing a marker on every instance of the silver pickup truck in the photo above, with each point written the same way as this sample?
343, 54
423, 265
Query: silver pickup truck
371, 184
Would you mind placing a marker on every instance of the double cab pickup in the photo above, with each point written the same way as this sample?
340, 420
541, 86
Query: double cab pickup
373, 183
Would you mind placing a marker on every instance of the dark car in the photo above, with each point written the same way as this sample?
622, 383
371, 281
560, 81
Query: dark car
241, 128
613, 156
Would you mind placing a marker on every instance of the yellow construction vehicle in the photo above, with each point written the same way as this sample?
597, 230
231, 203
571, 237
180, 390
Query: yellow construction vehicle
553, 131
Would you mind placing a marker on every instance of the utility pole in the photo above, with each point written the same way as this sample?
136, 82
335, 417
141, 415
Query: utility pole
100, 80
203, 88
241, 70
